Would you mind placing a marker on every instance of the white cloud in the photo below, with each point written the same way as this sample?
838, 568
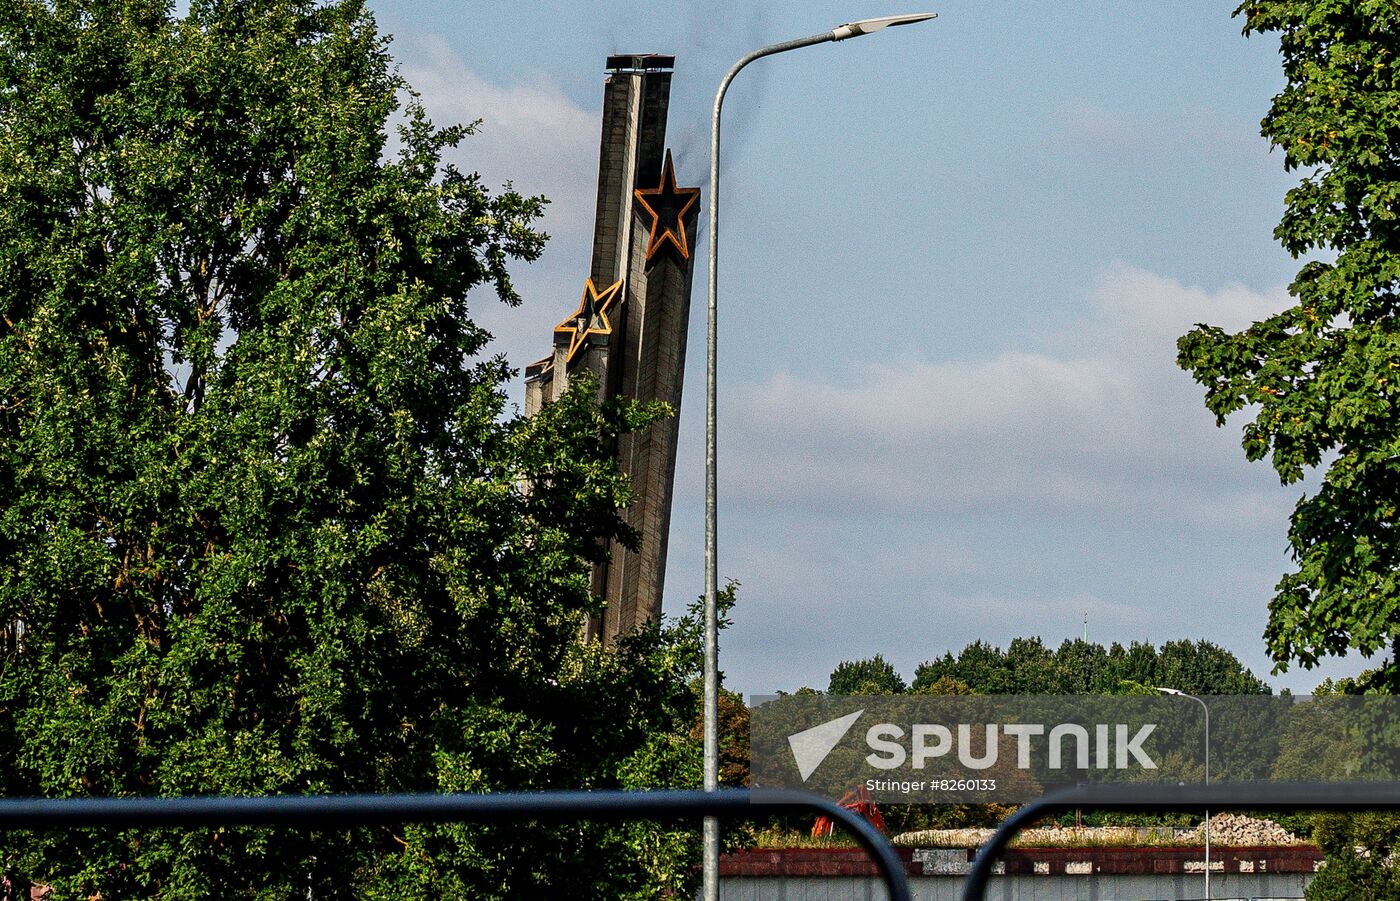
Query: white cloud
1083, 126
1134, 303
535, 137
531, 133
1097, 128
1098, 418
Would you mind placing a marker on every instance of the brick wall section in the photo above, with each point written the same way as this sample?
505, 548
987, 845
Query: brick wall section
803, 862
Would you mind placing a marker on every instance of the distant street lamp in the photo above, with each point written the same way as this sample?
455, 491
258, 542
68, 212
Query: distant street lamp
839, 33
1182, 694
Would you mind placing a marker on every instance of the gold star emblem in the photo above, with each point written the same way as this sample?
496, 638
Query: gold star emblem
668, 206
591, 317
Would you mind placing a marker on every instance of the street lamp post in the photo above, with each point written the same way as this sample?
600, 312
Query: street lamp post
1182, 694
711, 568
839, 33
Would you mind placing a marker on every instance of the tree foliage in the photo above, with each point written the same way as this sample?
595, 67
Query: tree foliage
265, 526
872, 676
1359, 850
1028, 667
1322, 378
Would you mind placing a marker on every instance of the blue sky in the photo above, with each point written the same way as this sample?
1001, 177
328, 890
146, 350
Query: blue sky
956, 257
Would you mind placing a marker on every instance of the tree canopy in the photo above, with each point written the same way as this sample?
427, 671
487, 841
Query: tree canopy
1028, 667
1322, 377
872, 676
265, 523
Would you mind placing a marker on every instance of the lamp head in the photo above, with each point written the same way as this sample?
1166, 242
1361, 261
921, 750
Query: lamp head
870, 26
1168, 691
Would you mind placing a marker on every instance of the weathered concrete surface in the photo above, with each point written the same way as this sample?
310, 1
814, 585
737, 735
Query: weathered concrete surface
1028, 874
640, 352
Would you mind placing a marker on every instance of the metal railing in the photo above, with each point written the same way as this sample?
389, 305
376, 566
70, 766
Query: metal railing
343, 810
560, 806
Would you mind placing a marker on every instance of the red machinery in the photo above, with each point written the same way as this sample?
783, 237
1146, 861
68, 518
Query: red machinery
858, 800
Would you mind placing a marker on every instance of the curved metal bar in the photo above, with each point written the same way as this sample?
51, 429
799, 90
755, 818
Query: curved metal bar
1247, 795
342, 810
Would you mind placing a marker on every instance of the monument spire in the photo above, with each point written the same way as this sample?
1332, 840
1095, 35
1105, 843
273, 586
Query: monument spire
632, 334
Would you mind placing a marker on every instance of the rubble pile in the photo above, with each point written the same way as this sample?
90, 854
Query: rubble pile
942, 838
1063, 836
1230, 829
1240, 830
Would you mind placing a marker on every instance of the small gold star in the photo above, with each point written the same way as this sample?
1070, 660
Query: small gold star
591, 317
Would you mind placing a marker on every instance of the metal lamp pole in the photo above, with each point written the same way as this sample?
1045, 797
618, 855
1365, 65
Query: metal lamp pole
840, 33
1182, 694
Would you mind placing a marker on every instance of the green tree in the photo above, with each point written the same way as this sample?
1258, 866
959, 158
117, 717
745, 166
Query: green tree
1082, 668
1135, 663
1358, 848
980, 665
264, 523
943, 685
1028, 667
1201, 667
871, 676
1321, 376
937, 669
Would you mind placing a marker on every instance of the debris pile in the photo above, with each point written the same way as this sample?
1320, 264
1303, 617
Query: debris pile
1242, 831
1226, 829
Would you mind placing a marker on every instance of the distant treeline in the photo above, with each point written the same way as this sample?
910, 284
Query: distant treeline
1028, 667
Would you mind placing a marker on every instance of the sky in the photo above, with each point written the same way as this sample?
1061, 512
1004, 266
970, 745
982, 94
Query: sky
955, 259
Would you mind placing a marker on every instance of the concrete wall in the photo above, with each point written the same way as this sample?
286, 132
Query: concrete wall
1020, 888
1026, 874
